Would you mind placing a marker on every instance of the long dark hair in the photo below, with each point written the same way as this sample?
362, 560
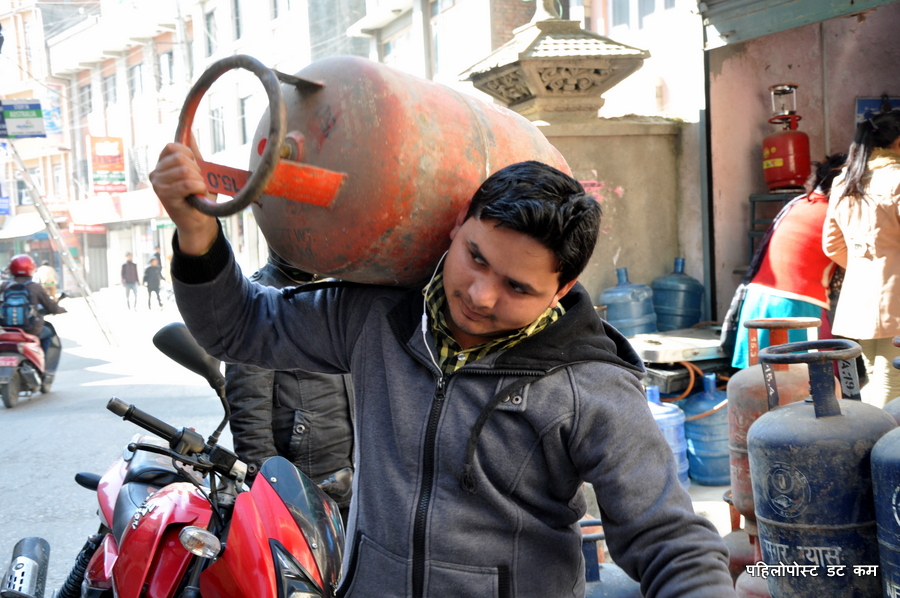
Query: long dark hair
880, 131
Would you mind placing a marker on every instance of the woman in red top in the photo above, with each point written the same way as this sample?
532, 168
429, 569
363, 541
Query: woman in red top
790, 274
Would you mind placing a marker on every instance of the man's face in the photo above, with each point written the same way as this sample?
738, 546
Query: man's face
497, 281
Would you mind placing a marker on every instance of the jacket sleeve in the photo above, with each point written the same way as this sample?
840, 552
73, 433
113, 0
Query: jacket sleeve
49, 305
833, 243
249, 391
651, 529
308, 330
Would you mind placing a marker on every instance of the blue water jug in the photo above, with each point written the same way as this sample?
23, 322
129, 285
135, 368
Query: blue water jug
677, 299
706, 432
670, 419
629, 306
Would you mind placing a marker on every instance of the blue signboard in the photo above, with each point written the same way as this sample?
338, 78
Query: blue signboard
22, 118
868, 107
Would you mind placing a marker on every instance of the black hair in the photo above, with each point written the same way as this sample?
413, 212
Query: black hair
825, 173
880, 130
545, 204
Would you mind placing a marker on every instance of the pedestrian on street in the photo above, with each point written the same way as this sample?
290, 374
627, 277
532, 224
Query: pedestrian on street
482, 400
130, 280
153, 276
46, 277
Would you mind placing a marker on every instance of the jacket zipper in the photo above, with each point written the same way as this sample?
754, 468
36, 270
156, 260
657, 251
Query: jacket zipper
420, 524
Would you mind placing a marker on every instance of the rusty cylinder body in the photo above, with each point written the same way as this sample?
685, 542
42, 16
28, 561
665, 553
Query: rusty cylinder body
413, 151
747, 400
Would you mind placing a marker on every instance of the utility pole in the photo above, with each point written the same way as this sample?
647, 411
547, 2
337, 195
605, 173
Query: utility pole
61, 248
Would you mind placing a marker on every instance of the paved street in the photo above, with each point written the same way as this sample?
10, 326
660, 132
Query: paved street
46, 439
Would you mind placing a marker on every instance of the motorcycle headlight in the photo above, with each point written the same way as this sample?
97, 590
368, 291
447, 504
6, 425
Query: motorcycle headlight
200, 541
293, 580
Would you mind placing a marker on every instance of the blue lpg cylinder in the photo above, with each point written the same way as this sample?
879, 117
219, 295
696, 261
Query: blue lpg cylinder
886, 487
677, 299
706, 432
670, 419
812, 480
629, 306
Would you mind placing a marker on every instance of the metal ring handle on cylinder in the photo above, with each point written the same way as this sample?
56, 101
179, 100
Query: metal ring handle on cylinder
274, 142
778, 332
818, 356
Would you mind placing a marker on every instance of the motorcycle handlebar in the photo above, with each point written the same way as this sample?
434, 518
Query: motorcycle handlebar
141, 418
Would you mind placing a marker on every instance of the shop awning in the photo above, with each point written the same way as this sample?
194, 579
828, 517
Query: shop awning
22, 225
119, 207
732, 21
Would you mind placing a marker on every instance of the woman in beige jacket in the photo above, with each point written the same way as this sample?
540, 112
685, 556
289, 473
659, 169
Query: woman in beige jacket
862, 234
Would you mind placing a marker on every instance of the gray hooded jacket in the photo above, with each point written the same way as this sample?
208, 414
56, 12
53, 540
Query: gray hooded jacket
469, 485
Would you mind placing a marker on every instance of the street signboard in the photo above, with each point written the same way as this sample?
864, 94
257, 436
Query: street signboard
21, 118
108, 164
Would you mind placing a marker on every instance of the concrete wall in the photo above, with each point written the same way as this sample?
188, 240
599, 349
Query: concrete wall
648, 192
833, 62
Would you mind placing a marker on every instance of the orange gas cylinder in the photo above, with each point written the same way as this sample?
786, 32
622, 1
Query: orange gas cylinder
785, 154
748, 399
786, 161
413, 153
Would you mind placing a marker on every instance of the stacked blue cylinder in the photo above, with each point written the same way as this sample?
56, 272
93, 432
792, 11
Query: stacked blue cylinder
885, 462
677, 299
706, 432
629, 306
670, 419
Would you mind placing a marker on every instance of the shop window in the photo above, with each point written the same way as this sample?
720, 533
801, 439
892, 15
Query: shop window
85, 99
166, 68
136, 80
212, 32
217, 126
236, 16
109, 90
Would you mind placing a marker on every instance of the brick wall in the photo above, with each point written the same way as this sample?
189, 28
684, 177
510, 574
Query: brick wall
506, 15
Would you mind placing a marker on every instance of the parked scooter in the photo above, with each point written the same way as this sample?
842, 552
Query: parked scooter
167, 508
23, 365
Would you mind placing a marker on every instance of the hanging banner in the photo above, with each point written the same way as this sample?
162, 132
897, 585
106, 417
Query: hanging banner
4, 199
107, 164
53, 123
21, 118
4, 189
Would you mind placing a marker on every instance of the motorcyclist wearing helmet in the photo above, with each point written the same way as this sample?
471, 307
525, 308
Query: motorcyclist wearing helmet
21, 268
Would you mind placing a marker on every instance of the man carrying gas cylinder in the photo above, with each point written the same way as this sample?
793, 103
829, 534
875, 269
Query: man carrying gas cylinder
482, 400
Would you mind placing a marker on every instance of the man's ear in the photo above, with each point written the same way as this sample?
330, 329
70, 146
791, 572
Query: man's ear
563, 291
460, 218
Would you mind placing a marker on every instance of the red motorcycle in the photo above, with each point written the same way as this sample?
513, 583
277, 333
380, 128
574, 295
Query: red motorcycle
178, 521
